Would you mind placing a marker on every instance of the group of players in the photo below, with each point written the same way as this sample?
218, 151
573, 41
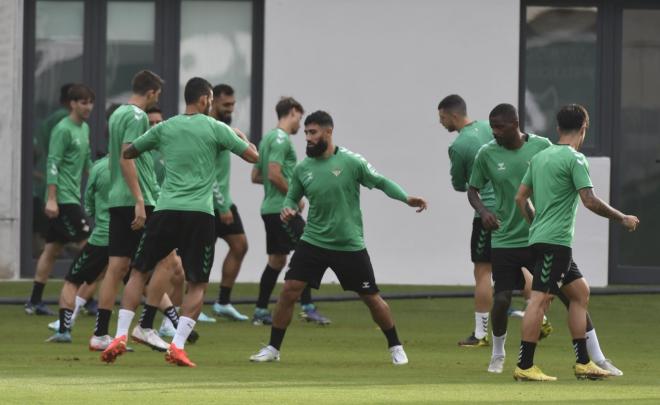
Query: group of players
161, 198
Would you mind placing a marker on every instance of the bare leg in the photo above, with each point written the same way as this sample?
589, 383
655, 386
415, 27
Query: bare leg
238, 248
380, 311
46, 261
483, 290
286, 302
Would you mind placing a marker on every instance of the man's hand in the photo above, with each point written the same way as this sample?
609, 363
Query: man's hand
630, 222
52, 210
227, 218
489, 220
287, 214
418, 202
140, 216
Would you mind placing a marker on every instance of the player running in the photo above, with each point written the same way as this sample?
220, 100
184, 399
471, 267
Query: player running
555, 178
330, 178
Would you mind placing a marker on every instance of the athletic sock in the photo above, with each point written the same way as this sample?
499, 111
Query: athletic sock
580, 347
266, 286
392, 337
186, 326
306, 296
225, 295
526, 354
102, 322
172, 315
498, 345
124, 320
65, 320
593, 347
276, 337
481, 324
147, 317
37, 292
80, 302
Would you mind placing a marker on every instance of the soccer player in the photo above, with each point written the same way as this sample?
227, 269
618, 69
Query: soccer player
330, 178
503, 163
132, 196
555, 178
274, 171
228, 224
93, 259
68, 157
471, 136
183, 218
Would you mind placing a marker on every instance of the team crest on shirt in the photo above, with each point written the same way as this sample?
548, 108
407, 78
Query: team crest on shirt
309, 176
500, 166
336, 171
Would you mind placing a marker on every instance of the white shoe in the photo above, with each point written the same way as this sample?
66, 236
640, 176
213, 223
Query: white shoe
496, 364
54, 326
399, 357
99, 343
607, 365
166, 328
150, 338
266, 354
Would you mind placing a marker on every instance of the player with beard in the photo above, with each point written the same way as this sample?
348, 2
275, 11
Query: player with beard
330, 178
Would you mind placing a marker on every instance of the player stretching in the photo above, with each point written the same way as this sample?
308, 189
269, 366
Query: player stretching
330, 178
555, 178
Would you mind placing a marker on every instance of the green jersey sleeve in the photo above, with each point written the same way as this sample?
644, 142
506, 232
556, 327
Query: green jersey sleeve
580, 172
479, 178
370, 178
278, 149
59, 142
458, 170
149, 140
219, 199
135, 127
227, 139
90, 193
296, 190
527, 178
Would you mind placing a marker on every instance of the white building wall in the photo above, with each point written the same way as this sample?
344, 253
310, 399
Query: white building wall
11, 59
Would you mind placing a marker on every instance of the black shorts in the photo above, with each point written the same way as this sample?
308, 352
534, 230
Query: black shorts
89, 265
480, 243
235, 228
282, 238
507, 267
123, 240
191, 232
554, 267
353, 269
71, 225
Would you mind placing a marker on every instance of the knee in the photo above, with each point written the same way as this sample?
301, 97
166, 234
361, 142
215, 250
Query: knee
277, 262
373, 301
502, 300
292, 291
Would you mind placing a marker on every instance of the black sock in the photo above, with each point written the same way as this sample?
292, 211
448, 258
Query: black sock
306, 296
580, 347
392, 337
526, 355
102, 322
276, 337
147, 317
225, 295
172, 315
65, 320
37, 292
266, 286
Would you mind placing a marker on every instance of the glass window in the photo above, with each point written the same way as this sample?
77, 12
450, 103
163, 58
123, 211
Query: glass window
216, 44
58, 60
639, 139
560, 67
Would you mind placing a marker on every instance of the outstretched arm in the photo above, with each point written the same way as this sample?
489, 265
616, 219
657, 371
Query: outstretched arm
488, 219
394, 191
256, 176
524, 204
600, 207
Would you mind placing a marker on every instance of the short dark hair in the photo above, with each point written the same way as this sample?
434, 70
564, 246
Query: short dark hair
506, 111
454, 103
572, 117
154, 109
285, 105
196, 88
64, 93
320, 118
223, 89
146, 80
79, 91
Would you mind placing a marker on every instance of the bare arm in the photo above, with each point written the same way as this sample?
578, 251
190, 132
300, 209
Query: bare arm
257, 178
52, 209
129, 172
524, 204
600, 207
488, 219
277, 178
250, 155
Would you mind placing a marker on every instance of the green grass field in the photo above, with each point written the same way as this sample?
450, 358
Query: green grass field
346, 362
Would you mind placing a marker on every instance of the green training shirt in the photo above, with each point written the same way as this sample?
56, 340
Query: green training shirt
505, 169
555, 176
461, 156
68, 156
40, 144
190, 145
159, 166
96, 201
221, 198
126, 124
275, 147
332, 187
